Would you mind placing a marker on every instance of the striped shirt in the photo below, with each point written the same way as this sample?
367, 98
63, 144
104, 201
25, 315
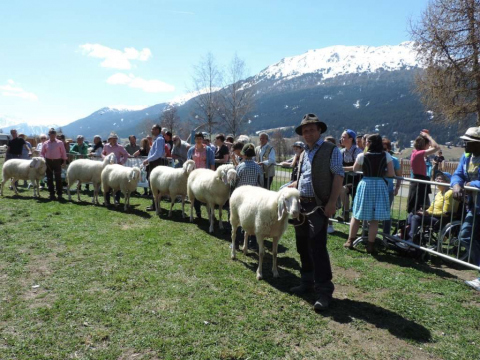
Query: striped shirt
249, 173
305, 182
54, 150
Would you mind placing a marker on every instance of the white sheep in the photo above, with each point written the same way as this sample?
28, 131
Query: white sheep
87, 171
120, 178
165, 180
263, 213
21, 169
211, 188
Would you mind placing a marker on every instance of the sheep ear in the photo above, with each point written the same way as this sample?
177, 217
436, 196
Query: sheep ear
224, 177
132, 175
281, 207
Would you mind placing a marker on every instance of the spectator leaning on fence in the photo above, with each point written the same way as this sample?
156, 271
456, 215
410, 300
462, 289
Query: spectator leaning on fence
351, 180
156, 156
443, 206
319, 182
55, 156
468, 174
80, 148
97, 147
179, 151
204, 158
15, 146
392, 191
143, 151
418, 193
265, 157
132, 146
371, 202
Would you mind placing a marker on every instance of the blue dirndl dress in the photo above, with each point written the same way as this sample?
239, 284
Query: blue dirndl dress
371, 201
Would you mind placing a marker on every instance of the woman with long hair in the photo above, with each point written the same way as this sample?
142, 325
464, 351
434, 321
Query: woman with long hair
371, 202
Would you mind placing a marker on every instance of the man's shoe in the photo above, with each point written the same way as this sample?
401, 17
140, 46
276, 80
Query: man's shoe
474, 284
330, 229
150, 208
52, 197
60, 198
322, 303
302, 289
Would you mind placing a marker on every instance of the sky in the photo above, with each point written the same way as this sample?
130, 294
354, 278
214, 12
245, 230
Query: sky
63, 60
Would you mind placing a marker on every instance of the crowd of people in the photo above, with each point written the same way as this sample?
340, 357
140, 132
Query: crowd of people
323, 170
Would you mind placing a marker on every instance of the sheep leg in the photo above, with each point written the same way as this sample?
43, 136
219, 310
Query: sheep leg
234, 238
95, 193
183, 206
106, 190
79, 185
192, 201
245, 243
211, 213
127, 200
68, 190
14, 185
274, 255
2, 186
36, 187
158, 198
261, 254
172, 199
220, 223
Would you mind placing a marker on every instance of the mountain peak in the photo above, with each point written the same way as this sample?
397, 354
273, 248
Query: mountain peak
338, 60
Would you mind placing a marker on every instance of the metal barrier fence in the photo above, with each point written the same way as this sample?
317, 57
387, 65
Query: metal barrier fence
415, 231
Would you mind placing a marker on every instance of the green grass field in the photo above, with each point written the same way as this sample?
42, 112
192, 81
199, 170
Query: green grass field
84, 282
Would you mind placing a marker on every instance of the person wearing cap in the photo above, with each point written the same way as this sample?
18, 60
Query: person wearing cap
156, 156
80, 148
265, 157
319, 182
443, 206
121, 156
468, 174
53, 150
350, 152
15, 146
132, 146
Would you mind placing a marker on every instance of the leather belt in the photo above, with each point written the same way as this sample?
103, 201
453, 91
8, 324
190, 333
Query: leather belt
307, 199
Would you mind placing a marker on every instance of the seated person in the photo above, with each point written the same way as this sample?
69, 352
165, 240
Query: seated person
443, 205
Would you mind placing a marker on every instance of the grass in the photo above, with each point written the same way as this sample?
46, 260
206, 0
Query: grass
81, 281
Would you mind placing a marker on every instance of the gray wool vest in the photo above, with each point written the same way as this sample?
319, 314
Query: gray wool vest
322, 177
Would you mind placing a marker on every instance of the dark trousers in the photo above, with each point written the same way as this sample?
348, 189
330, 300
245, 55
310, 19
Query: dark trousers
152, 165
54, 169
267, 182
311, 239
117, 196
416, 221
197, 205
470, 231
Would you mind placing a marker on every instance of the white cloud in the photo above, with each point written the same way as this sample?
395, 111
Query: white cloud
113, 58
151, 86
14, 90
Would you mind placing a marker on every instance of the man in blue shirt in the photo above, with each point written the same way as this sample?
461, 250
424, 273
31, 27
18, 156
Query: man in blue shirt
320, 164
156, 156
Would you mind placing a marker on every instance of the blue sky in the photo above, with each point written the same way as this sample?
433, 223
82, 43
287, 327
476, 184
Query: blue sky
62, 60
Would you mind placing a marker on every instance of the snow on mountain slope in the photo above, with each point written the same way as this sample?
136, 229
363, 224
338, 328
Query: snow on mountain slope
341, 60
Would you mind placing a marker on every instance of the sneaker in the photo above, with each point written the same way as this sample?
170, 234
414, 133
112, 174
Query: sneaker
150, 208
474, 284
330, 229
322, 303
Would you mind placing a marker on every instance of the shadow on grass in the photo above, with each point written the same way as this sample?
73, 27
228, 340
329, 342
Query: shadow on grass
345, 311
132, 210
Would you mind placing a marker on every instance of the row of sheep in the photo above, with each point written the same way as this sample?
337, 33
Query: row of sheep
258, 211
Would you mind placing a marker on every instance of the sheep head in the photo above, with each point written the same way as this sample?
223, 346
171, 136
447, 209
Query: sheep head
109, 159
222, 172
134, 174
288, 201
189, 166
35, 163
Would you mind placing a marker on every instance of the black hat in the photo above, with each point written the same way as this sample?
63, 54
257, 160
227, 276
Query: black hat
248, 150
311, 119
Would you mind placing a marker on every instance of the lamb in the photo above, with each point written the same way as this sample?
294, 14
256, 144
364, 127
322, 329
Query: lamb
263, 213
21, 169
165, 180
212, 188
86, 171
118, 177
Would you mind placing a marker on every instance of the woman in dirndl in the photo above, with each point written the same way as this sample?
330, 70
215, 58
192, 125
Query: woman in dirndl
371, 202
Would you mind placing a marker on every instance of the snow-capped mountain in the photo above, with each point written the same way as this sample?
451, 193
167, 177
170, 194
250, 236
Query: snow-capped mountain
340, 60
25, 128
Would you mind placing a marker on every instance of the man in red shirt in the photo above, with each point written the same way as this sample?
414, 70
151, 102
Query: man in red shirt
55, 156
